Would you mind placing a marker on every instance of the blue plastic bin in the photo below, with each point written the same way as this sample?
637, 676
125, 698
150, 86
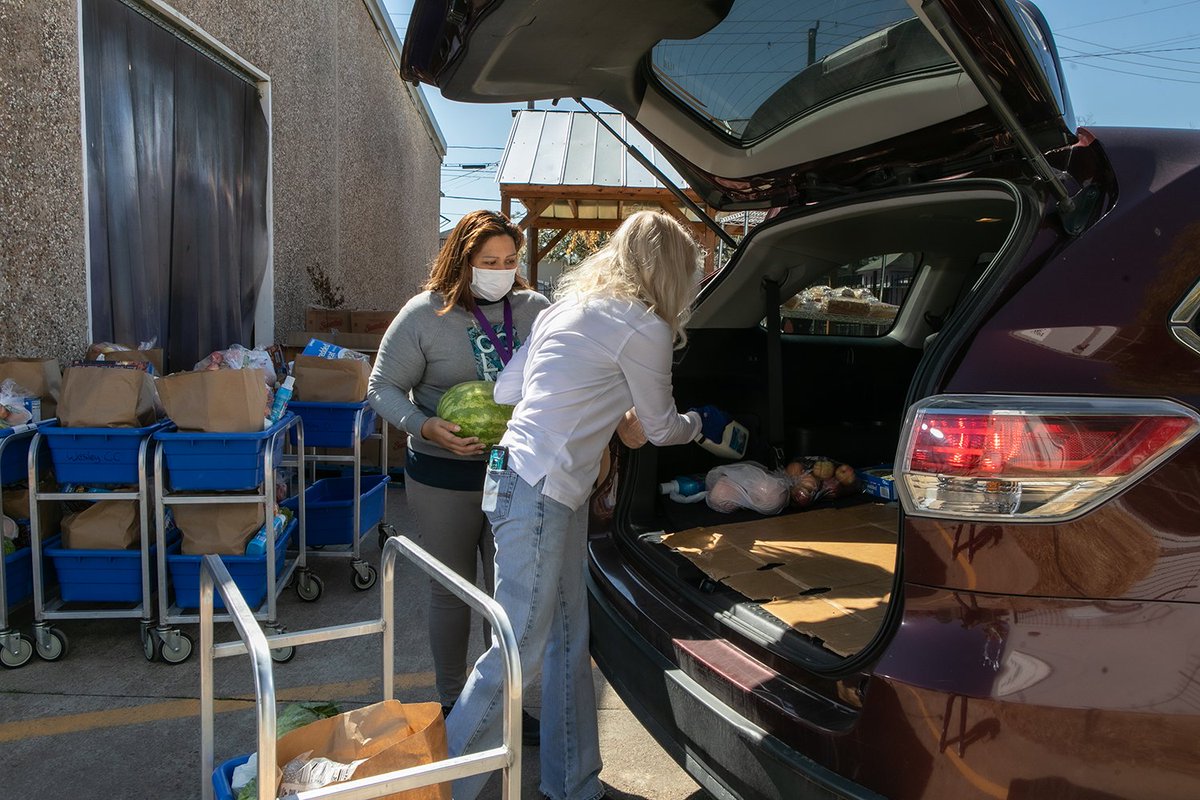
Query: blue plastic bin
96, 455
18, 576
14, 464
329, 506
222, 777
248, 572
99, 576
217, 461
332, 424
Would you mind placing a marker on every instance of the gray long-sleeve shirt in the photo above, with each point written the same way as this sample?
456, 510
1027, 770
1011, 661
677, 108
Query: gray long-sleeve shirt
423, 354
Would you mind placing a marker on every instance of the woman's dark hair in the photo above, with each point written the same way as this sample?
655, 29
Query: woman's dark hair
449, 275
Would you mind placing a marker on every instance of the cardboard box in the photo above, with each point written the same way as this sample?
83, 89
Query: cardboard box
295, 342
327, 320
376, 322
878, 481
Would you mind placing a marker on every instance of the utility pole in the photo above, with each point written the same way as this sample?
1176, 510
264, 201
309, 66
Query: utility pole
812, 43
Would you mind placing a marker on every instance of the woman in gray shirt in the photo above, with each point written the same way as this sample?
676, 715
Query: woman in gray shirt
474, 312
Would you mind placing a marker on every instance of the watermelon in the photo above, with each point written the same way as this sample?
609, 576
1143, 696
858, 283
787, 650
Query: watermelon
470, 406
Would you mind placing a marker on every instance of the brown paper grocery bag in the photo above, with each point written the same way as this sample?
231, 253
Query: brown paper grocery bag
331, 380
108, 525
219, 400
107, 397
154, 356
220, 528
40, 375
16, 506
390, 735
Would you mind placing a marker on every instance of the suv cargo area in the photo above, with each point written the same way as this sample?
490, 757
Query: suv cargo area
812, 585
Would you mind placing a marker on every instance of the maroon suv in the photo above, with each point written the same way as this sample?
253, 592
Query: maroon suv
955, 286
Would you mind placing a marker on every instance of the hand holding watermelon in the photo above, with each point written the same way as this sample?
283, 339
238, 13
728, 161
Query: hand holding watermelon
468, 420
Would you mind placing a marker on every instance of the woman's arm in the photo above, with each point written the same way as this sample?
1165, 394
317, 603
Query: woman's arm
399, 366
509, 385
646, 362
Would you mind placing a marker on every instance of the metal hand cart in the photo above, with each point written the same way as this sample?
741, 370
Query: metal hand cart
225, 462
506, 757
16, 577
92, 457
345, 425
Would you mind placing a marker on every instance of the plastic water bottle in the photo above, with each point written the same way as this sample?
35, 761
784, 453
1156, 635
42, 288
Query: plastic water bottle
734, 440
257, 546
682, 485
684, 490
282, 396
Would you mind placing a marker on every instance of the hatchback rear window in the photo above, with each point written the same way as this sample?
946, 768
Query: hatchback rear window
772, 61
861, 298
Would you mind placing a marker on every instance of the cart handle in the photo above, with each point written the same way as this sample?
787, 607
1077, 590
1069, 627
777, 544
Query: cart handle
501, 630
213, 574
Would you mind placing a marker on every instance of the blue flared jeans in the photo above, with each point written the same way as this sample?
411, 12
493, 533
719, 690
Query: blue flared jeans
540, 566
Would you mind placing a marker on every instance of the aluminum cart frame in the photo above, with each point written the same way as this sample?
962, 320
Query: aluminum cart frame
15, 647
49, 642
364, 575
506, 757
170, 643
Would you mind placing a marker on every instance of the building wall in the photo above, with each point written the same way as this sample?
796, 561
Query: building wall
355, 169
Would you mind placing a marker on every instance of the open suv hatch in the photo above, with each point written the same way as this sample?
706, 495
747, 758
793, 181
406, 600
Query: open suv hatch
953, 284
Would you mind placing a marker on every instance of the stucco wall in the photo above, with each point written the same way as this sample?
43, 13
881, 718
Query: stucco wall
355, 171
43, 290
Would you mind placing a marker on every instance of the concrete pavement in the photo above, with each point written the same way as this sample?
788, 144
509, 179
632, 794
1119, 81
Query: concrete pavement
104, 723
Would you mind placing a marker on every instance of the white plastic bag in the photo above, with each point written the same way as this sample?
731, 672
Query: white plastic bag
746, 485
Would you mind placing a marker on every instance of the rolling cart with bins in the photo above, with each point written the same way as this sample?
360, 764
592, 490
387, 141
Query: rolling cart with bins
187, 463
343, 510
16, 569
215, 782
94, 457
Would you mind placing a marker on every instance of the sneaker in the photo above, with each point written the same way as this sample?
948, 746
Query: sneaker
531, 730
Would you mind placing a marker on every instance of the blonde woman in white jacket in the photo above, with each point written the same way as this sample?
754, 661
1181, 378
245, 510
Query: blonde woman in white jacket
603, 347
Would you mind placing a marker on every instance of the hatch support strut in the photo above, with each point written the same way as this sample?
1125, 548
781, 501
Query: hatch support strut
664, 180
1067, 204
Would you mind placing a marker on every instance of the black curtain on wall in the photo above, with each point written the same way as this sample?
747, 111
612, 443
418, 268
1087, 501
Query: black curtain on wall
177, 182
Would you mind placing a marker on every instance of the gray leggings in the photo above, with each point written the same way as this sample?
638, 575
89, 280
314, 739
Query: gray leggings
451, 526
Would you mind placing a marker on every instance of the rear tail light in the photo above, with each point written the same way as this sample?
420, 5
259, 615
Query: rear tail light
994, 457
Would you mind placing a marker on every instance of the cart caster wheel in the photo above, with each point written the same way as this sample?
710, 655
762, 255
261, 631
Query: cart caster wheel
150, 645
283, 655
364, 576
309, 587
180, 652
385, 532
51, 644
19, 654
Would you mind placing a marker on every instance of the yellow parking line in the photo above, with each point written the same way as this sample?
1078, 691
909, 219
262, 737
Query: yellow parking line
179, 709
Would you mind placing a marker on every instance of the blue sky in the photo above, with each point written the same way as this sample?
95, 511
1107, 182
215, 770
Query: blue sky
1127, 62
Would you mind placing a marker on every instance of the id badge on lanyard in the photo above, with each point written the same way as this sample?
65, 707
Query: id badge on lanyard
497, 462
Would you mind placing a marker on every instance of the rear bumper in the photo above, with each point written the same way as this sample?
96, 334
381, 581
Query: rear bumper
726, 754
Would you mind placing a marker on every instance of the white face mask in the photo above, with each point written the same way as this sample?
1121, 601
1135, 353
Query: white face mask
492, 284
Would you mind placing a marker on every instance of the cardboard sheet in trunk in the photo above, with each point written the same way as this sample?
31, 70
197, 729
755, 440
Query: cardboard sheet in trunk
827, 572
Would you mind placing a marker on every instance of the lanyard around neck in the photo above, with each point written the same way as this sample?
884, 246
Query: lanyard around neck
503, 349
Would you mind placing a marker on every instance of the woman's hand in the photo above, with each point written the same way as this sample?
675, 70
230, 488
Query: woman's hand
445, 435
630, 431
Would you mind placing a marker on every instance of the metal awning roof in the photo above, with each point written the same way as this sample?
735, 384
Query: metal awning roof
570, 148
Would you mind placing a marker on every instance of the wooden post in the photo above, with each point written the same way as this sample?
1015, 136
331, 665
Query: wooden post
532, 248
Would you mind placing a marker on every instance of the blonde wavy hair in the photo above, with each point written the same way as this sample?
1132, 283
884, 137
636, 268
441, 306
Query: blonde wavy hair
651, 258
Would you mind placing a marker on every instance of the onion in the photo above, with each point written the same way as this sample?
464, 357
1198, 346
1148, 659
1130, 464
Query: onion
823, 468
845, 475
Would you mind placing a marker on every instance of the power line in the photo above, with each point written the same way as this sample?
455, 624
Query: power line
1132, 53
1137, 74
1127, 16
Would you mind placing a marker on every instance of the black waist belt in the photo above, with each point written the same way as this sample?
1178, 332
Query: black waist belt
445, 473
